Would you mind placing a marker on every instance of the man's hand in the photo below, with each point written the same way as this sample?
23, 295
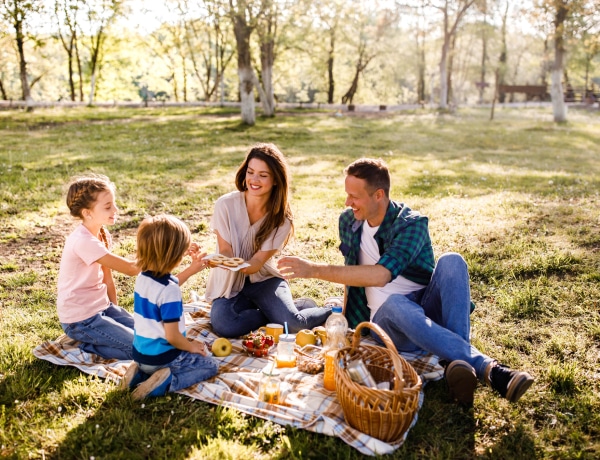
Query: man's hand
295, 267
349, 275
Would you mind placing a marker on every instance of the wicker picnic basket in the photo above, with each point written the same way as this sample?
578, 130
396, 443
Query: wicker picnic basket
381, 413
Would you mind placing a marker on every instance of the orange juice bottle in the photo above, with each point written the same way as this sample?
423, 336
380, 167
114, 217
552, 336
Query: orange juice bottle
329, 374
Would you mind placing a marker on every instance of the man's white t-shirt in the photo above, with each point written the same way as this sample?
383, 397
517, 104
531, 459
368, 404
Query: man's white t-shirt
369, 255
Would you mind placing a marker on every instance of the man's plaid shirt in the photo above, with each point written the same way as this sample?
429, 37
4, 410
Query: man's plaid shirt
404, 246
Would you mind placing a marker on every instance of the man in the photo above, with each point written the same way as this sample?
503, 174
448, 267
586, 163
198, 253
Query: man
391, 279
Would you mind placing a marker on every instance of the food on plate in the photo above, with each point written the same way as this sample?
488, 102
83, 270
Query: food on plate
217, 260
306, 337
221, 347
258, 343
225, 261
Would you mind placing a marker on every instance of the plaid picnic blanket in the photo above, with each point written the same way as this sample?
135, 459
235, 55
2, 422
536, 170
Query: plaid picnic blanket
308, 405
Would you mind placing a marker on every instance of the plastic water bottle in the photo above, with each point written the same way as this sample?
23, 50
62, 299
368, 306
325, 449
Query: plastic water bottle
336, 327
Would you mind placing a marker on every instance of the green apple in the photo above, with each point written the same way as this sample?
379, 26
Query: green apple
306, 337
321, 333
221, 347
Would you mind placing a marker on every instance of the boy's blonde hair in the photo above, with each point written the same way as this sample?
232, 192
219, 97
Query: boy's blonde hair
162, 241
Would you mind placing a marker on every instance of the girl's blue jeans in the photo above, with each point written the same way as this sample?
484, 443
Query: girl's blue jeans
436, 318
108, 334
268, 301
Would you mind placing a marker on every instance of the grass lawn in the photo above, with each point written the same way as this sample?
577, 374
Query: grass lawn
517, 197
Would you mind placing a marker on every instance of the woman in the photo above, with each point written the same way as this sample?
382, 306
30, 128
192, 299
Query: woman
255, 223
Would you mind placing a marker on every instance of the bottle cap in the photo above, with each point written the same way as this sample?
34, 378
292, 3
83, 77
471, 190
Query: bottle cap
336, 309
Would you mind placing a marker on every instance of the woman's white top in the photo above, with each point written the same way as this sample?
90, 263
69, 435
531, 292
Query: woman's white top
231, 220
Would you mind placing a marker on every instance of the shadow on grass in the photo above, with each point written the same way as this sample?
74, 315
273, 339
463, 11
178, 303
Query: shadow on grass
164, 427
31, 380
517, 444
446, 428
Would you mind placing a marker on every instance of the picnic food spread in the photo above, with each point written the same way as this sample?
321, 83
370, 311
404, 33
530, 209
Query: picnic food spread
372, 377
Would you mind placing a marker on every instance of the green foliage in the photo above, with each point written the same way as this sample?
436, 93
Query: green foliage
517, 197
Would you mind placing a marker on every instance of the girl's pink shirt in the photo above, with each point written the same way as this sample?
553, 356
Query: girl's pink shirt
81, 290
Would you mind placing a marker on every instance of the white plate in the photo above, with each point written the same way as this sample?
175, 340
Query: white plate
233, 269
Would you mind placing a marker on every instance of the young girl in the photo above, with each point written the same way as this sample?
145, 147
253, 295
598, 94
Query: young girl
255, 223
87, 297
160, 348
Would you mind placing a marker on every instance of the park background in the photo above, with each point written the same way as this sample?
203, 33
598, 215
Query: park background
443, 53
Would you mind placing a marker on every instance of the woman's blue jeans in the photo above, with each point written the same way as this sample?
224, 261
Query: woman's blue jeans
436, 318
268, 301
108, 334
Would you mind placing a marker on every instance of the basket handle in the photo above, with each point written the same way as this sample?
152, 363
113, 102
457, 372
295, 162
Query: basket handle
399, 382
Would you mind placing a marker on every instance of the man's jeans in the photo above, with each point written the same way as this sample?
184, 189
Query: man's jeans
436, 318
268, 301
187, 369
108, 334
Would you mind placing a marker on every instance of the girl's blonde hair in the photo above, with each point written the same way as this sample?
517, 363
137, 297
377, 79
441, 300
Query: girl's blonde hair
162, 241
83, 193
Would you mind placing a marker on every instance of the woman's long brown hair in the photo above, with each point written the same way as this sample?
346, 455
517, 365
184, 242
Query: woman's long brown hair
280, 207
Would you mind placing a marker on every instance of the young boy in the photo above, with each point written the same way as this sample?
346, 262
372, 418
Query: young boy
164, 359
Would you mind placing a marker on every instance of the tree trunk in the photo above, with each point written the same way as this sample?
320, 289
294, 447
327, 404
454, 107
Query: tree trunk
449, 69
96, 44
70, 66
449, 31
482, 82
420, 70
267, 33
20, 40
92, 89
79, 71
559, 108
444, 75
246, 77
175, 85
501, 71
184, 78
347, 98
267, 58
267, 94
2, 91
330, 58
